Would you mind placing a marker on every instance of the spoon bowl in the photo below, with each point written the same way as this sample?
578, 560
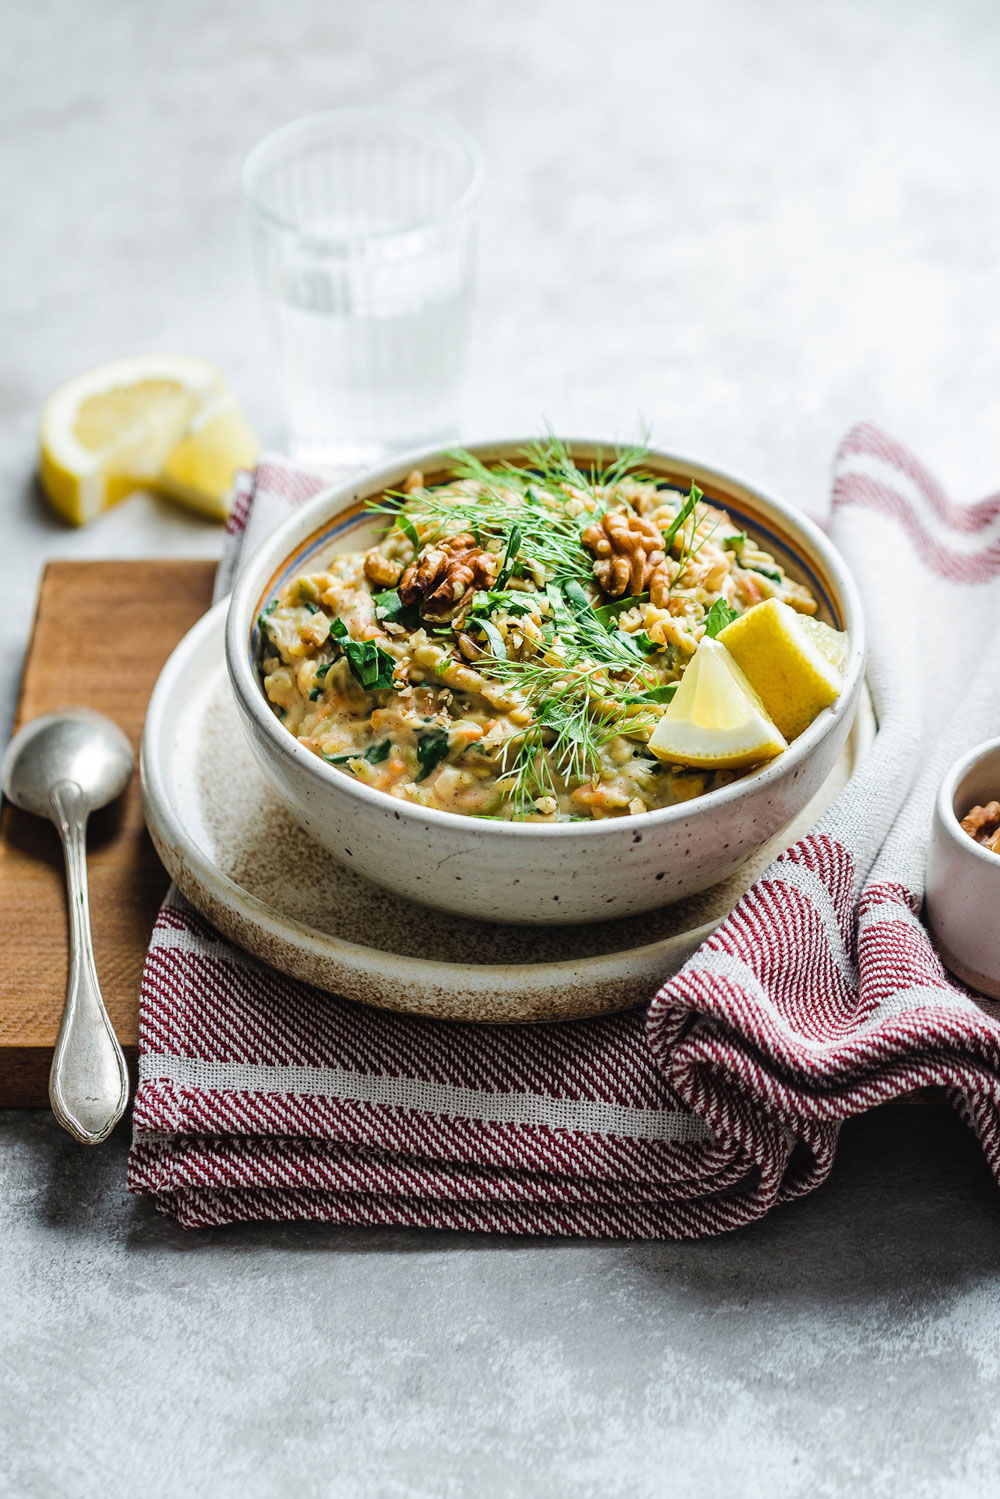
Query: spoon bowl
77, 745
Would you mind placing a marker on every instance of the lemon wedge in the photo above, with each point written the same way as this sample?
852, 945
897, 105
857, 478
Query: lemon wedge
715, 721
116, 427
794, 663
198, 472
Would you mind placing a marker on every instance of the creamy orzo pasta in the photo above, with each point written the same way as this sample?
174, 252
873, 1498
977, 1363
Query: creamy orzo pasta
507, 647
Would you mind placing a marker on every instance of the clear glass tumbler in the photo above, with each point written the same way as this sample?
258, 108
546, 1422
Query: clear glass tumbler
363, 226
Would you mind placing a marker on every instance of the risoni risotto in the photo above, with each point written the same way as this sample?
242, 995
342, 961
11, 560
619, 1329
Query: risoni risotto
508, 646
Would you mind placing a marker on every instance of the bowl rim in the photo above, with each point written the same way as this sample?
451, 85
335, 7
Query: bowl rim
948, 818
284, 540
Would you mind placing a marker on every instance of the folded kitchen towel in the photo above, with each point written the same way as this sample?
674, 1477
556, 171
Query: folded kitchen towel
819, 997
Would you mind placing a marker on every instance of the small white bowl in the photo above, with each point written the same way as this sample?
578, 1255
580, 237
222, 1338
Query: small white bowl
963, 878
529, 872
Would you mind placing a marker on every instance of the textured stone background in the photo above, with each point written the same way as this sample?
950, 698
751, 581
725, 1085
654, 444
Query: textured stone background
750, 224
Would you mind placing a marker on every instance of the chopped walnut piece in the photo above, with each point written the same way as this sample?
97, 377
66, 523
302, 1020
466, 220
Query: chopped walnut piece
444, 573
381, 569
983, 824
628, 551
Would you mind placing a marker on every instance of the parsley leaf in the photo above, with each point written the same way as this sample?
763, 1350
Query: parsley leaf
718, 617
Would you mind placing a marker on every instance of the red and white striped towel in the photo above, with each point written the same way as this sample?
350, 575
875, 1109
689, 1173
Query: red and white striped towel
819, 997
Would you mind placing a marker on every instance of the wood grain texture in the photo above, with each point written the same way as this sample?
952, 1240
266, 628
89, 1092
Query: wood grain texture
102, 632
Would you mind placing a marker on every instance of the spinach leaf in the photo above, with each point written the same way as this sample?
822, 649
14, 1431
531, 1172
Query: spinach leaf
511, 601
409, 530
607, 613
655, 694
509, 556
370, 664
389, 605
374, 754
775, 574
718, 617
498, 647
432, 746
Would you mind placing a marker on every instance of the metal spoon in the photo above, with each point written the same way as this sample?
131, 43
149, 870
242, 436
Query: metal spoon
65, 766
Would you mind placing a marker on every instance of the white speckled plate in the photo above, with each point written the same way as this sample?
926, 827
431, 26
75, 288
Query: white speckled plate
245, 864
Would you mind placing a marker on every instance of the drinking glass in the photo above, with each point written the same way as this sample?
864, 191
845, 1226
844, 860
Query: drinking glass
363, 225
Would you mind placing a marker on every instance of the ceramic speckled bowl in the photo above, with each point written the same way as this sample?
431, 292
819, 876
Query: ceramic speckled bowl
535, 873
963, 878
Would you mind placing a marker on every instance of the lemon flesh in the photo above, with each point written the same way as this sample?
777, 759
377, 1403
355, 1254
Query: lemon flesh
715, 721
795, 664
199, 471
119, 426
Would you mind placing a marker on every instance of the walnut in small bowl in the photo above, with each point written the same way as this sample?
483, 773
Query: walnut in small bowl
983, 824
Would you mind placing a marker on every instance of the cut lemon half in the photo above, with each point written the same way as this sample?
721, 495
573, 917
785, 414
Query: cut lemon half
117, 427
794, 663
715, 721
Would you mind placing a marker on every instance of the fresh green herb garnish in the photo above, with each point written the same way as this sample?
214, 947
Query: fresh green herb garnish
432, 747
718, 617
682, 515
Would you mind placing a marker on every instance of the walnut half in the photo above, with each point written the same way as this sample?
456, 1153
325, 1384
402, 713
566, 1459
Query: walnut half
444, 573
629, 555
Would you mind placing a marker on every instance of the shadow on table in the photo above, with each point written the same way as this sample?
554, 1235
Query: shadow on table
910, 1200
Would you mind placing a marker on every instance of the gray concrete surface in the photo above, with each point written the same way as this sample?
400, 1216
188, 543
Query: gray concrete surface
751, 224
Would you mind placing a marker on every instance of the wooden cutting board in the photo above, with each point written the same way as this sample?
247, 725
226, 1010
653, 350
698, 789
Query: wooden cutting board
102, 632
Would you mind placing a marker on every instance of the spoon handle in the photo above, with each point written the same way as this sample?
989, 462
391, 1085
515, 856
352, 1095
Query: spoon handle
88, 1083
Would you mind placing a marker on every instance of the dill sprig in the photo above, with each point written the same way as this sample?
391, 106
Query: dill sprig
523, 507
583, 680
576, 711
